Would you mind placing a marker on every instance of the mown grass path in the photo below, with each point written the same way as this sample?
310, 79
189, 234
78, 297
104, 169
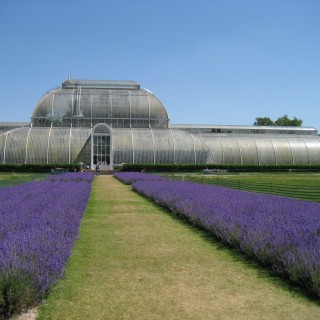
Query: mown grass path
133, 260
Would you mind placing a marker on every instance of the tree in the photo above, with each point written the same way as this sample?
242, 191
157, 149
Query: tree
263, 121
283, 121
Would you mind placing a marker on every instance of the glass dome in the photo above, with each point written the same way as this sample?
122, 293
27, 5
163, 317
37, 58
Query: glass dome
84, 103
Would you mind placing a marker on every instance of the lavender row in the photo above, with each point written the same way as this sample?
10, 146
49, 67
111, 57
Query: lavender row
280, 232
39, 223
131, 177
72, 176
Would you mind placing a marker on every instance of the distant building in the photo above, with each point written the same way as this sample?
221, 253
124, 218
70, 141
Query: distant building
115, 122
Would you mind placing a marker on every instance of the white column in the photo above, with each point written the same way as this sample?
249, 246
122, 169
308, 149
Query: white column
290, 150
154, 151
274, 151
5, 147
239, 150
91, 147
132, 146
48, 144
149, 113
52, 109
307, 151
174, 148
194, 150
70, 145
25, 159
130, 114
258, 157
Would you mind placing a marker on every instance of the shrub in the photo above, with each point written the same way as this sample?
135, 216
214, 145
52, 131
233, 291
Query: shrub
39, 223
131, 177
280, 232
16, 294
38, 168
228, 167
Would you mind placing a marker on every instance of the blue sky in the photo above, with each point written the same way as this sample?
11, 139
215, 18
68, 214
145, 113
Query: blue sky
208, 61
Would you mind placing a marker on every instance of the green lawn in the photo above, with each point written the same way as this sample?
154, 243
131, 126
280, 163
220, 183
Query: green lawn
290, 178
10, 179
134, 260
297, 185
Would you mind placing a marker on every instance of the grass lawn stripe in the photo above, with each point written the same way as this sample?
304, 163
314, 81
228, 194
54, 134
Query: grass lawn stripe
133, 260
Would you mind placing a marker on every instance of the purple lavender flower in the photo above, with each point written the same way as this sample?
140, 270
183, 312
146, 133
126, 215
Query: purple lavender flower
131, 177
280, 232
39, 223
73, 176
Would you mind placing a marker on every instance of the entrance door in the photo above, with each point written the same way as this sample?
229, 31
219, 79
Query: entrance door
101, 146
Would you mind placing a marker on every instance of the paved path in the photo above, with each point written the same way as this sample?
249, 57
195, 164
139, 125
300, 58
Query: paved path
143, 263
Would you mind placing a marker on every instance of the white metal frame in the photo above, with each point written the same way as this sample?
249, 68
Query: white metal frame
109, 129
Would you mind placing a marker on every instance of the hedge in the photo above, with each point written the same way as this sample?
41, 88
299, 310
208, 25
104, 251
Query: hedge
38, 168
228, 167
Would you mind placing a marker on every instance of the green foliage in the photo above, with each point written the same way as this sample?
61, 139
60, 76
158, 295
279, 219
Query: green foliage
283, 121
16, 294
286, 122
265, 121
228, 167
39, 168
10, 179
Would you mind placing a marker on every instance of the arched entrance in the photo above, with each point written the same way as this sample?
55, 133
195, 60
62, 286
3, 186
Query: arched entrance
101, 142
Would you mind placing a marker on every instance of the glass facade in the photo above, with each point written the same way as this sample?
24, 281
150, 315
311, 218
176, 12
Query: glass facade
42, 145
101, 145
115, 122
158, 146
86, 107
264, 149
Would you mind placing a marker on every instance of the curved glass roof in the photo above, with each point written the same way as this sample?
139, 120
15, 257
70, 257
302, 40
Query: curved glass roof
102, 84
67, 145
84, 103
241, 129
64, 130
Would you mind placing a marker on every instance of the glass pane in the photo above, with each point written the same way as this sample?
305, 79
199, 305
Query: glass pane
37, 145
143, 146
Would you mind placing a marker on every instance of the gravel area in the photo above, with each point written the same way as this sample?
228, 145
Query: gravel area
31, 314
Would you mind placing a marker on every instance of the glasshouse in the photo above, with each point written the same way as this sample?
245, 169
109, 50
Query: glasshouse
116, 122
